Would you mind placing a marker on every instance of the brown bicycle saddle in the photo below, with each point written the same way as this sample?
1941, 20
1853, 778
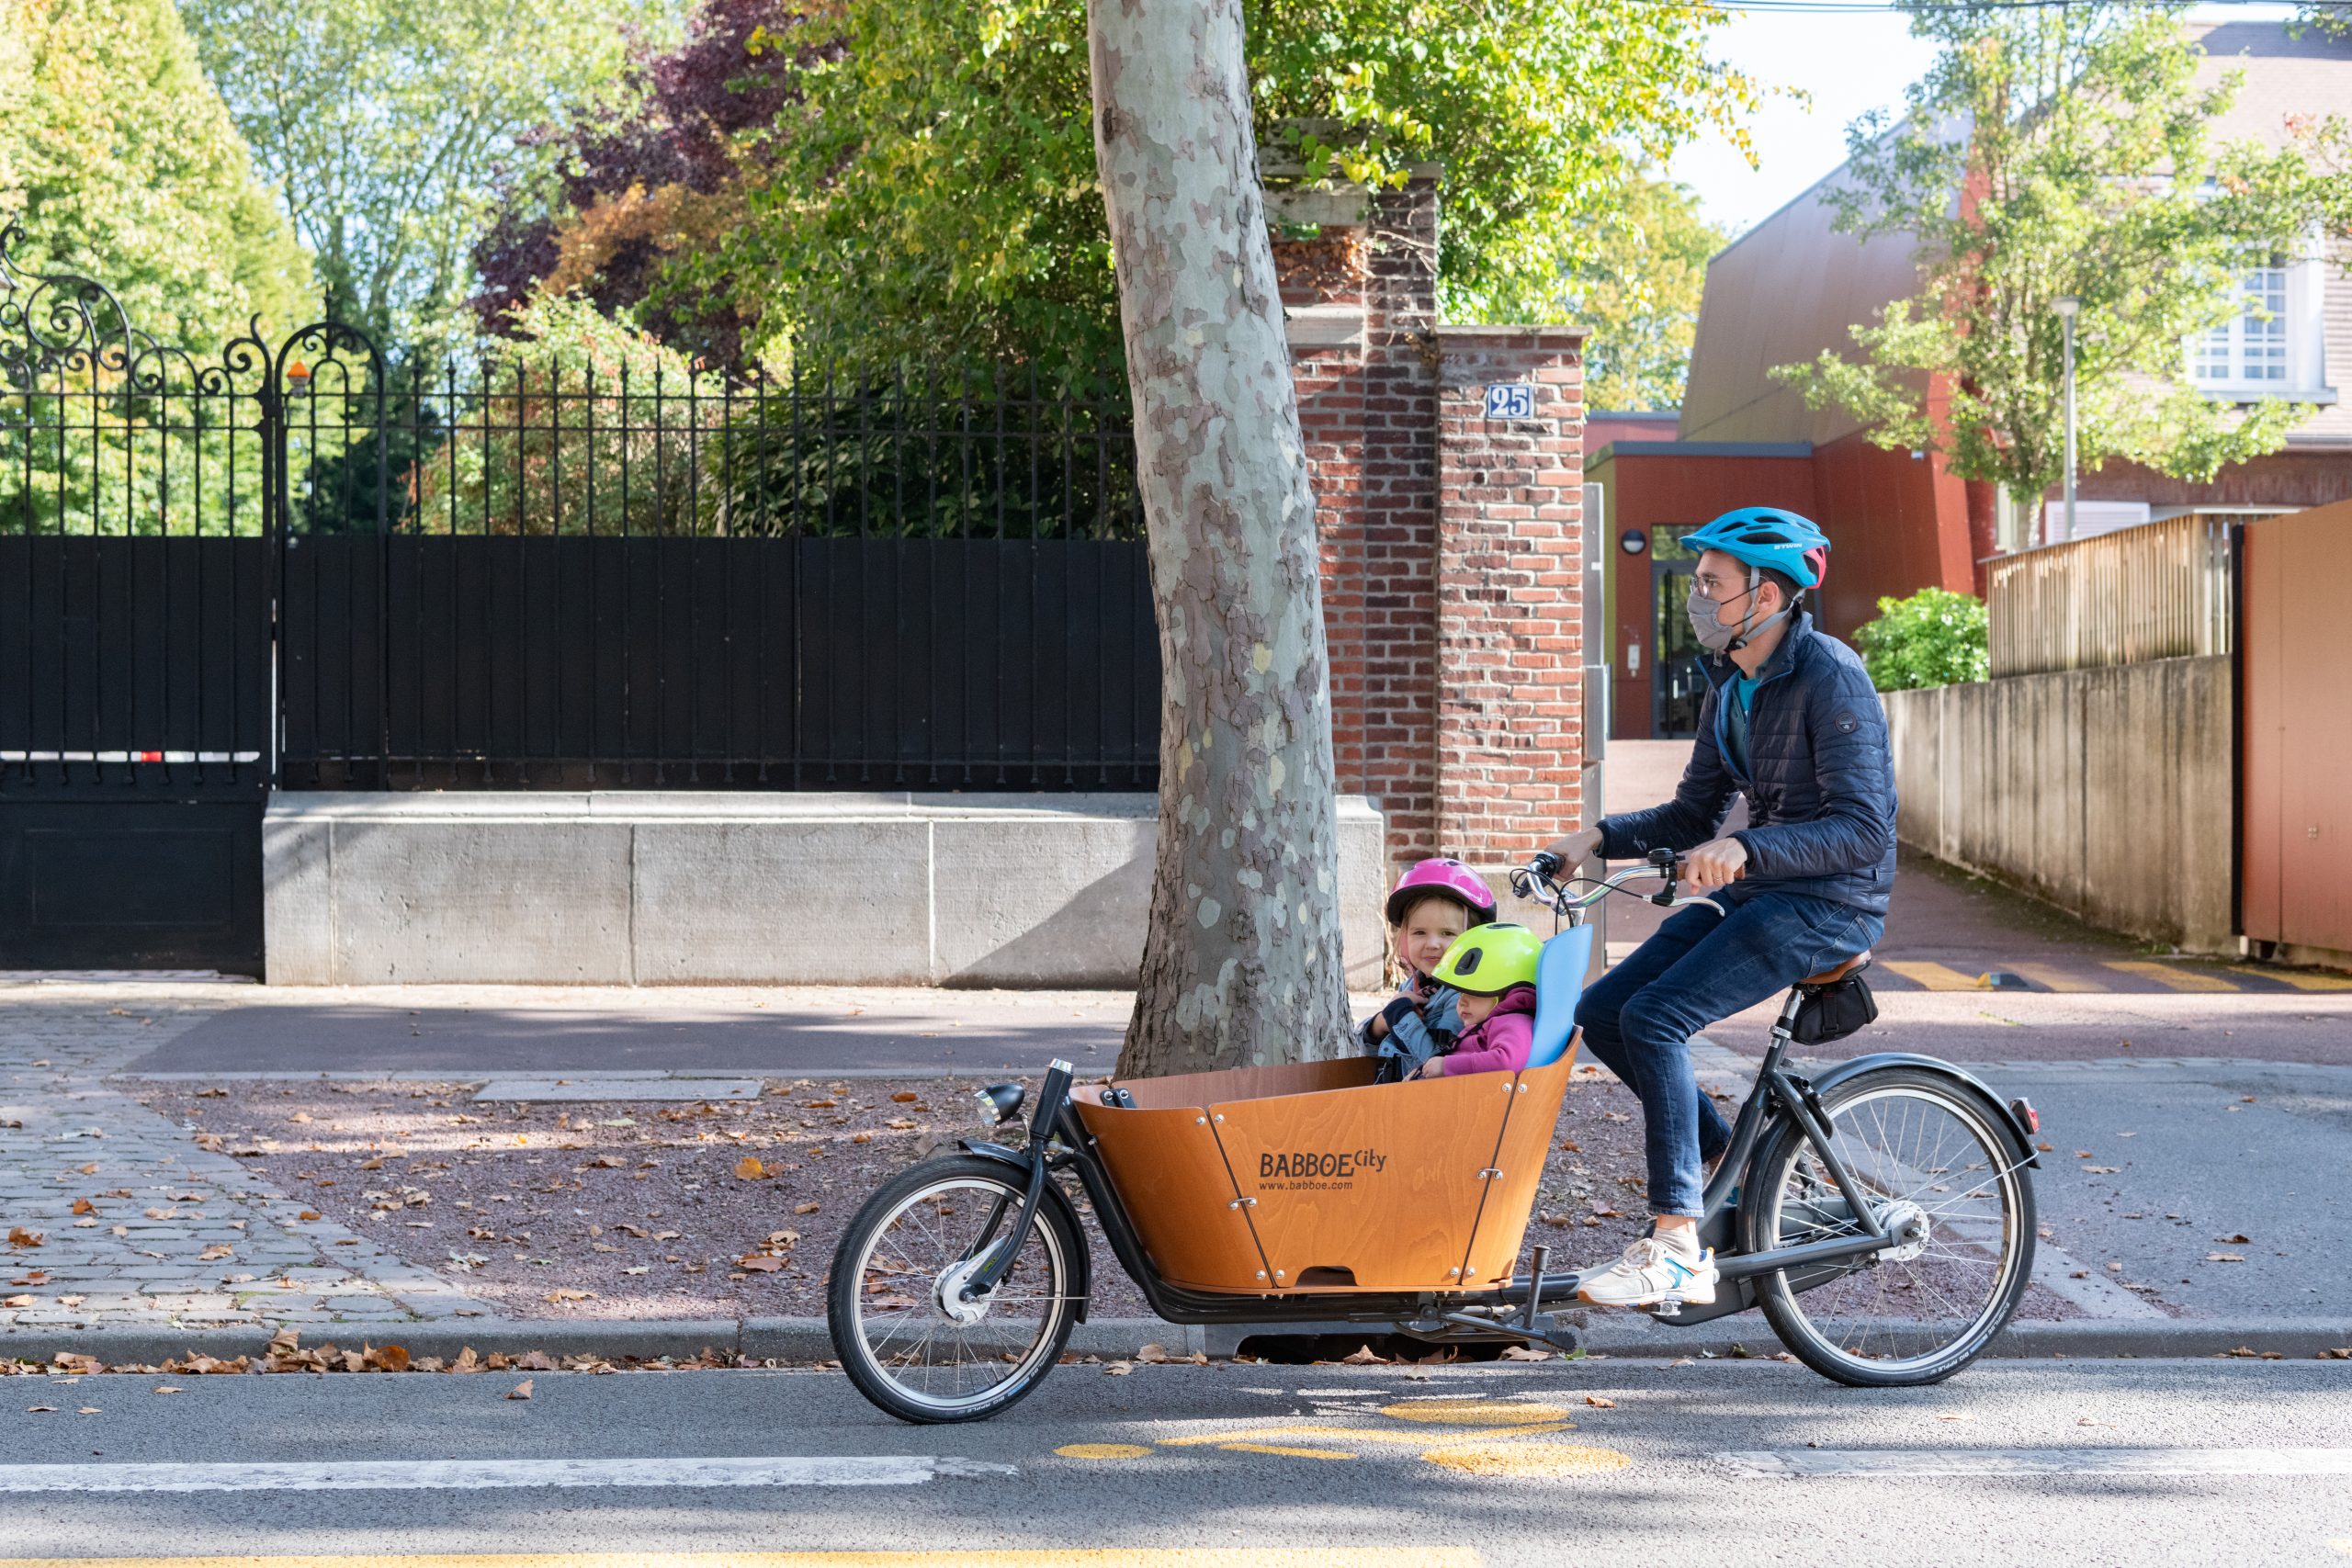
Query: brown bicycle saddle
1831, 976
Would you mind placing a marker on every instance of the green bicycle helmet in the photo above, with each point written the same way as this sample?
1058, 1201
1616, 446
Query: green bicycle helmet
1486, 961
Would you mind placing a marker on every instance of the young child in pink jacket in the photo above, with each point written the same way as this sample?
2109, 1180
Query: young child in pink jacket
1493, 969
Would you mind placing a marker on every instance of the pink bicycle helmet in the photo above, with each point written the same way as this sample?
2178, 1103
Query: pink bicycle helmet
1447, 879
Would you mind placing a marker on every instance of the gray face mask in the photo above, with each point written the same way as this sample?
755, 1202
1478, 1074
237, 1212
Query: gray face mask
1717, 634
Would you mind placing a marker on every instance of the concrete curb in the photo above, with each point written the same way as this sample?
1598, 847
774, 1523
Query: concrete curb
806, 1340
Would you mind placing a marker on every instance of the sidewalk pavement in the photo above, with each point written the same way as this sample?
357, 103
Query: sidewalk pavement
2155, 1163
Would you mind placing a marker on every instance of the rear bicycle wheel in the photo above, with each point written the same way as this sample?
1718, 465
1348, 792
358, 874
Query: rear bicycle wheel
904, 1333
1937, 1162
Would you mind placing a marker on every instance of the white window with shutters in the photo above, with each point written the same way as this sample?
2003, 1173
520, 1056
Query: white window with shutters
2274, 344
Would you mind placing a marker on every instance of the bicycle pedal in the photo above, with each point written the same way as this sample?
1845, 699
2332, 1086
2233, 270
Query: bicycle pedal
1665, 1306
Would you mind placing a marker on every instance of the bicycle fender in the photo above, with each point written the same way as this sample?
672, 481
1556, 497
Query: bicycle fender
1855, 1066
1018, 1159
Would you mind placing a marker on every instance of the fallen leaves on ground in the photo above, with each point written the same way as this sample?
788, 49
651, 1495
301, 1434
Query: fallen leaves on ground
806, 1208
906, 1097
1600, 1402
2234, 1240
1117, 1368
2225, 1257
19, 1302
214, 1253
749, 1169
19, 1237
520, 1391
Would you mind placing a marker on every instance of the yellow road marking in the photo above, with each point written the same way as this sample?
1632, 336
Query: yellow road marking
1529, 1460
1286, 1453
1475, 1412
1360, 1434
1934, 976
1101, 1451
2167, 974
2059, 980
1032, 1557
2302, 980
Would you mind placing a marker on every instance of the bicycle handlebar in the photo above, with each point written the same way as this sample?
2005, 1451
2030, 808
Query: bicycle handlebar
1535, 883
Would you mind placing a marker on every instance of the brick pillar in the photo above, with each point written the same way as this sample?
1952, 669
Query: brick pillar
1510, 581
1362, 301
1400, 517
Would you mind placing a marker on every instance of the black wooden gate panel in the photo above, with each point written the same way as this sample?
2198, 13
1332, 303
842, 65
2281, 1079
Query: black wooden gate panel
782, 663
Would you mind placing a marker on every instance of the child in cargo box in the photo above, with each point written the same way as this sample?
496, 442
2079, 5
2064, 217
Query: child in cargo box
1431, 905
1492, 968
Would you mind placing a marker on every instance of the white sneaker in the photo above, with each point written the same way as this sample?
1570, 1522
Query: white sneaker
1655, 1272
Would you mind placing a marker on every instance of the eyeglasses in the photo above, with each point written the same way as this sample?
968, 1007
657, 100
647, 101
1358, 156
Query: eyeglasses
1717, 588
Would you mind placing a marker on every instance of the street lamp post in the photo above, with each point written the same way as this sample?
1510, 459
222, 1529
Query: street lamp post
2068, 307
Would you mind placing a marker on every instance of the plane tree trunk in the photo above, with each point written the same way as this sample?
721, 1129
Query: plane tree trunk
1242, 961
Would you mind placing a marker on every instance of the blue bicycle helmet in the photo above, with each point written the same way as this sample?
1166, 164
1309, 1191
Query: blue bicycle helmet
1769, 536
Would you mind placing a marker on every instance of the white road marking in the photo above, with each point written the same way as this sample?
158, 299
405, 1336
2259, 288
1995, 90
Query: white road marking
476, 1474
1809, 1463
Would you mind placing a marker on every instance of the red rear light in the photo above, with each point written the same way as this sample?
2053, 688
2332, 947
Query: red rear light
2026, 1114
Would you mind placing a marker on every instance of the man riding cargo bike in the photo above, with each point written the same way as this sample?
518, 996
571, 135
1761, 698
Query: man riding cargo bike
1881, 1214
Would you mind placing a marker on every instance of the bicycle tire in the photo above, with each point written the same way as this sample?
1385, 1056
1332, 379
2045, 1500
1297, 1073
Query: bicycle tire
1055, 1242
1764, 1224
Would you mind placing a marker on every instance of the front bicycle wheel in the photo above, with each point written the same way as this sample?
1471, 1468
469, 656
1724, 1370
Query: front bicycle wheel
908, 1336
1935, 1159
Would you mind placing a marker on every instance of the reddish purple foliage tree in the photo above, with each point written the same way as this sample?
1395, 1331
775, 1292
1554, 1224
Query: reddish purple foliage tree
630, 191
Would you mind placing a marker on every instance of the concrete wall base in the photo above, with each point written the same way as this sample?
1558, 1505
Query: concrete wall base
2105, 792
675, 887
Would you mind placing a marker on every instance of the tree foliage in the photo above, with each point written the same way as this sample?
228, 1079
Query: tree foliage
120, 165
625, 193
1640, 298
926, 181
1934, 638
384, 121
2056, 152
124, 165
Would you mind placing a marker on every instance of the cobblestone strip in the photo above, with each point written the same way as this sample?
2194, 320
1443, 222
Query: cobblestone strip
138, 1226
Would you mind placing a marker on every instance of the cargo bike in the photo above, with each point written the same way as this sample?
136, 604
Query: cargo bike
1882, 1214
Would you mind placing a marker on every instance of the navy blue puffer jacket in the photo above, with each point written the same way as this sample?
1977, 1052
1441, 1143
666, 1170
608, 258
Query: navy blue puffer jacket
1821, 797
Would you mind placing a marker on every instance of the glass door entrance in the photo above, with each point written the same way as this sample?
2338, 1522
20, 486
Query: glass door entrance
1680, 685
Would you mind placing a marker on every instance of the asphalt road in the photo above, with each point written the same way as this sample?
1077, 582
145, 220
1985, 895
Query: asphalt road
1332, 1460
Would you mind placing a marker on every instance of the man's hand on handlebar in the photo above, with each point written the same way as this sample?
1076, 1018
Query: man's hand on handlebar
1715, 863
1572, 850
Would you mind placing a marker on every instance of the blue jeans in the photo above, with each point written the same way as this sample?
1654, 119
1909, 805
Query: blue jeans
1699, 968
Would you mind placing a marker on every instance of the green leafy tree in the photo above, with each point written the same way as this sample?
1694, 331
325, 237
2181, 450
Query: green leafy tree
2056, 152
1934, 638
119, 164
935, 190
384, 121
1640, 297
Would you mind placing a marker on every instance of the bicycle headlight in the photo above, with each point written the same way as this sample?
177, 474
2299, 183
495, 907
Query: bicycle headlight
1000, 1103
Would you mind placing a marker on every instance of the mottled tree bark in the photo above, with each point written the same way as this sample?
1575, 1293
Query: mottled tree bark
1242, 961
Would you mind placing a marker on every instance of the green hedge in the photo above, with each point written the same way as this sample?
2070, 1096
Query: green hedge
1934, 638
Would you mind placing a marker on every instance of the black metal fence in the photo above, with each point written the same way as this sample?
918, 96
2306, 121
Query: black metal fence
583, 564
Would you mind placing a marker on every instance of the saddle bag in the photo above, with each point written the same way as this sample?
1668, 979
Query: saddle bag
1833, 1012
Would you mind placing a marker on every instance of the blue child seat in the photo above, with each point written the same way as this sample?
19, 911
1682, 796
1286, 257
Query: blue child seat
1559, 982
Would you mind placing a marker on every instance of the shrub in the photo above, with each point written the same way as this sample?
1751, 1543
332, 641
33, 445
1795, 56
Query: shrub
1934, 638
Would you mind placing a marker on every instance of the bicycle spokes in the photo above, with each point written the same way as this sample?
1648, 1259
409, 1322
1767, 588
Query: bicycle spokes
1940, 1181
